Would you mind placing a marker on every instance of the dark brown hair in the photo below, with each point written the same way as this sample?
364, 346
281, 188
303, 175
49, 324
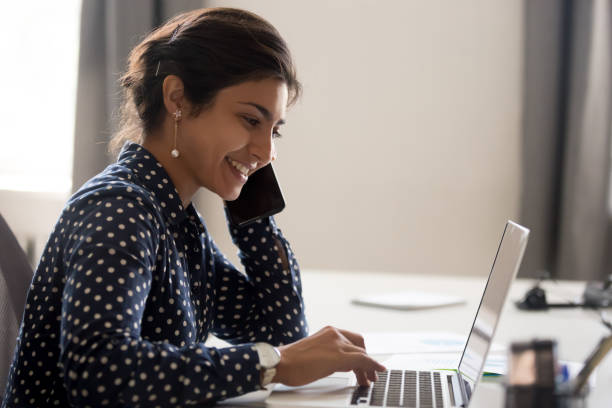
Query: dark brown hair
209, 49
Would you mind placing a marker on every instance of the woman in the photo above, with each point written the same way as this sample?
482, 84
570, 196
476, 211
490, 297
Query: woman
130, 283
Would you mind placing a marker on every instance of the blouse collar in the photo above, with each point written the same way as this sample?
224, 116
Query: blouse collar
154, 177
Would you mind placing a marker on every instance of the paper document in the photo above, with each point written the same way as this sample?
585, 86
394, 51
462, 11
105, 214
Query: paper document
495, 363
417, 342
253, 397
331, 383
408, 300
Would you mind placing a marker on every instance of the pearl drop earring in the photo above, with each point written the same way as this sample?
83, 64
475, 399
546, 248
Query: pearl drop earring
177, 117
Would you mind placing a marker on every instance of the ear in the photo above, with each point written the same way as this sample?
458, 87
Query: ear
173, 93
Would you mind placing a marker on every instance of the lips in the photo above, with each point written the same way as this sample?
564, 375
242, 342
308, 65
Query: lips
244, 170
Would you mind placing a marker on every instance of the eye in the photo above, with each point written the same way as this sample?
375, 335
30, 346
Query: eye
251, 121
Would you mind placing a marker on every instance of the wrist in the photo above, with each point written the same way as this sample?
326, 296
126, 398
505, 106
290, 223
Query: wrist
281, 367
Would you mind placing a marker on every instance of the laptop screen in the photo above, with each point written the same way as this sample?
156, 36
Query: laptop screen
504, 269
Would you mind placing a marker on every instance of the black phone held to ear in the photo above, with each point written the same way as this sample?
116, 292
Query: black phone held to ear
260, 197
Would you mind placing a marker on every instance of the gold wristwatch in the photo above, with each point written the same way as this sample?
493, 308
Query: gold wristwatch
269, 357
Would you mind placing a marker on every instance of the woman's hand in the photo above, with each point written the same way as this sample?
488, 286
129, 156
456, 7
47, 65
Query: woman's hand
325, 352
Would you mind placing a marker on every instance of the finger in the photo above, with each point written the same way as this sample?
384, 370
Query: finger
360, 360
372, 376
362, 378
352, 349
356, 339
380, 368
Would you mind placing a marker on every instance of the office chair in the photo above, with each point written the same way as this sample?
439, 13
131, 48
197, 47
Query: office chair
15, 277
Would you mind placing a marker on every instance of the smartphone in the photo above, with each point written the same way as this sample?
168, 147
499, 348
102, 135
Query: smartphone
260, 197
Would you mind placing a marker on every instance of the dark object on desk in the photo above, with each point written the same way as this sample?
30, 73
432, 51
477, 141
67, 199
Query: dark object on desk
598, 294
15, 277
535, 299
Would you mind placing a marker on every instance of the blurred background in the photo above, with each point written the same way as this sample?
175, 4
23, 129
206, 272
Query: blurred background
424, 125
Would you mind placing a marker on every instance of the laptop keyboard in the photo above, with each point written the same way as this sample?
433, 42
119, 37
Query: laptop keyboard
402, 388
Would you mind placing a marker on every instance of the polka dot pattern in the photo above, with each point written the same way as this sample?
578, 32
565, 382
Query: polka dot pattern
127, 290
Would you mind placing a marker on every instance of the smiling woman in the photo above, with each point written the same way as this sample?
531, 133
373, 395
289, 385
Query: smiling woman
240, 136
131, 283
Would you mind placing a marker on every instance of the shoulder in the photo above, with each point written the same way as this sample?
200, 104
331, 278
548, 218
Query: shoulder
115, 187
110, 206
107, 214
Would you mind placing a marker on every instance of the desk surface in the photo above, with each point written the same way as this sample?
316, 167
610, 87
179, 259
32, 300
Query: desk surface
328, 297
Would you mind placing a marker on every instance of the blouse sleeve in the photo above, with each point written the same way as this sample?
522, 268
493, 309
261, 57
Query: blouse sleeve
266, 304
110, 261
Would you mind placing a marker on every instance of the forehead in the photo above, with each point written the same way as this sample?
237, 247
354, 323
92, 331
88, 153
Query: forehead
270, 93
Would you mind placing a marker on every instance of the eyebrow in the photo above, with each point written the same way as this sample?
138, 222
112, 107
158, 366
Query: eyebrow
265, 112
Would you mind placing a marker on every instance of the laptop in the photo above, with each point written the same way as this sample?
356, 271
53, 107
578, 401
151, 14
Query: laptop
418, 388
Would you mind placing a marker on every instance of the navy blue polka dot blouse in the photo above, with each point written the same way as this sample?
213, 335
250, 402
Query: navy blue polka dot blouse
128, 288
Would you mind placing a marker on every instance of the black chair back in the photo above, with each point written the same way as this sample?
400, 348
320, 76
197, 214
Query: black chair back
15, 277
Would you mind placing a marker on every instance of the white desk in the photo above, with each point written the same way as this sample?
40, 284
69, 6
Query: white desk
328, 294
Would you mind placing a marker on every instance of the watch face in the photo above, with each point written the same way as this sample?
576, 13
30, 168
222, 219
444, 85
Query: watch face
269, 356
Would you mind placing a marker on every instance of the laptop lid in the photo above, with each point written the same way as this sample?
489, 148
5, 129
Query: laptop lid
505, 267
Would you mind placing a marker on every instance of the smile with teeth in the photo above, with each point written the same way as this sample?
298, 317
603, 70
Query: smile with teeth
239, 166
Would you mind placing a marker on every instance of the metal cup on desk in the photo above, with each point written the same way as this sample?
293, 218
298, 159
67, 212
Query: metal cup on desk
532, 374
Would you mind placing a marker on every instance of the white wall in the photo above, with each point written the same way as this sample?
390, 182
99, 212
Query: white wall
403, 154
31, 217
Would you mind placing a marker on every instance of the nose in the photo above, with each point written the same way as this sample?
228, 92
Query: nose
262, 148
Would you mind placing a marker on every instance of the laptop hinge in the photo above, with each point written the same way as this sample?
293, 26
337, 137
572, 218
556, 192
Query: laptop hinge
465, 398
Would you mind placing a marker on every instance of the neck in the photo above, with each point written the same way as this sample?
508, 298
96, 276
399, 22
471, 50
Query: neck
179, 174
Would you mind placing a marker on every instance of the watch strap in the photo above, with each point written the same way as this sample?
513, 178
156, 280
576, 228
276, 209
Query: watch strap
268, 375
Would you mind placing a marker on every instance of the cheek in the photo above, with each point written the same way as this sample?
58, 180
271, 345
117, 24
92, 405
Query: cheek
207, 143
196, 145
231, 140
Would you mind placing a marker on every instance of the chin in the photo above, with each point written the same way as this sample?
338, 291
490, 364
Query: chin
224, 190
229, 195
